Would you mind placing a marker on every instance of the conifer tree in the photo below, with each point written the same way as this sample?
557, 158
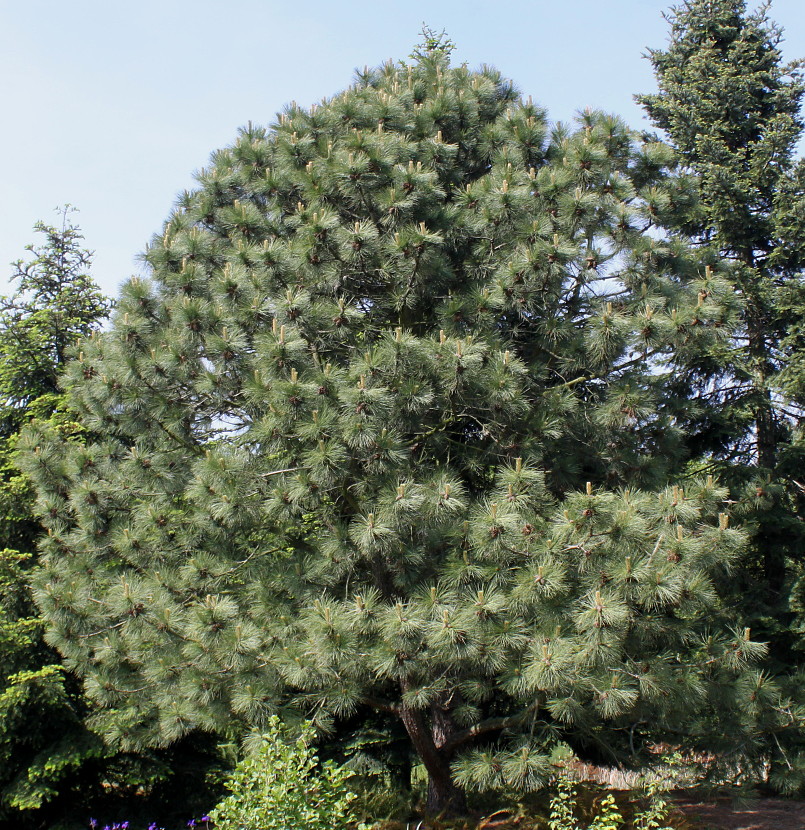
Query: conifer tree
46, 752
53, 768
55, 301
383, 430
731, 107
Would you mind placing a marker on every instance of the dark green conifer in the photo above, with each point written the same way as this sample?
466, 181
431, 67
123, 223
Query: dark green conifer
46, 752
731, 109
384, 429
55, 302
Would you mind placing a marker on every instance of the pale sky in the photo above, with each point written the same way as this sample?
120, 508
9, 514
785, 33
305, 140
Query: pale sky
111, 106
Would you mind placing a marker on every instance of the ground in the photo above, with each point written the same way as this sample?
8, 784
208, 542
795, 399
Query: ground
761, 814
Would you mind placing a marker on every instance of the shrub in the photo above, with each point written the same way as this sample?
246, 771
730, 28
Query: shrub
564, 811
282, 786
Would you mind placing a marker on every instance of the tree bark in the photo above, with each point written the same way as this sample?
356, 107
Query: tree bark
774, 563
766, 442
444, 797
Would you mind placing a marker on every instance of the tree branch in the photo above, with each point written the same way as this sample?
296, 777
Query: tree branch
490, 725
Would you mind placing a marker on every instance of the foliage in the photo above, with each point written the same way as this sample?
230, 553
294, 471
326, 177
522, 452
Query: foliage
52, 767
42, 739
432, 42
731, 109
56, 301
387, 430
607, 816
45, 750
376, 749
655, 815
563, 814
281, 785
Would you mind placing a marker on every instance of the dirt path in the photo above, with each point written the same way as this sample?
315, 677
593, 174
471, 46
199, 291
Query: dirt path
762, 814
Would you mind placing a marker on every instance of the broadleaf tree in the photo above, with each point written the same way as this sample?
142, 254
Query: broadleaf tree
385, 429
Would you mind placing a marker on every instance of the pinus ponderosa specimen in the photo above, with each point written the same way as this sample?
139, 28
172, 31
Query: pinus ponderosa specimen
374, 434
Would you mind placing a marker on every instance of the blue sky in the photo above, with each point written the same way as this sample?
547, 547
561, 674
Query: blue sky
111, 106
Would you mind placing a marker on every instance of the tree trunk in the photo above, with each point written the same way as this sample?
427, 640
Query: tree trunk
774, 564
444, 797
765, 438
759, 353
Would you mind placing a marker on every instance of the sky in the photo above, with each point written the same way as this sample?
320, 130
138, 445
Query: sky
111, 106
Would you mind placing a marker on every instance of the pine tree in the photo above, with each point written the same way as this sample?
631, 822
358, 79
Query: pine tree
385, 430
731, 107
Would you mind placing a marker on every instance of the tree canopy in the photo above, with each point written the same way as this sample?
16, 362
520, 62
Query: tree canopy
55, 302
731, 108
385, 428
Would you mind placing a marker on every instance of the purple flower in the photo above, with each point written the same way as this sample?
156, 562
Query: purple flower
93, 823
206, 818
191, 823
153, 826
124, 826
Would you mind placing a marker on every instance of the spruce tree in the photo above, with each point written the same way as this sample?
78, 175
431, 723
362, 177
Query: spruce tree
731, 107
384, 429
55, 301
47, 754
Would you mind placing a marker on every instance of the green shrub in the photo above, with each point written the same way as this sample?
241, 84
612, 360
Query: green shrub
608, 817
282, 787
563, 807
564, 810
655, 815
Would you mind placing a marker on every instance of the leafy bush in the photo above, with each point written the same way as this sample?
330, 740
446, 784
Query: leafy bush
655, 814
563, 807
282, 786
607, 817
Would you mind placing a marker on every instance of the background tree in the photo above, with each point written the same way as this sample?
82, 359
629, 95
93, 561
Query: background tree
53, 769
56, 301
730, 107
372, 437
43, 742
